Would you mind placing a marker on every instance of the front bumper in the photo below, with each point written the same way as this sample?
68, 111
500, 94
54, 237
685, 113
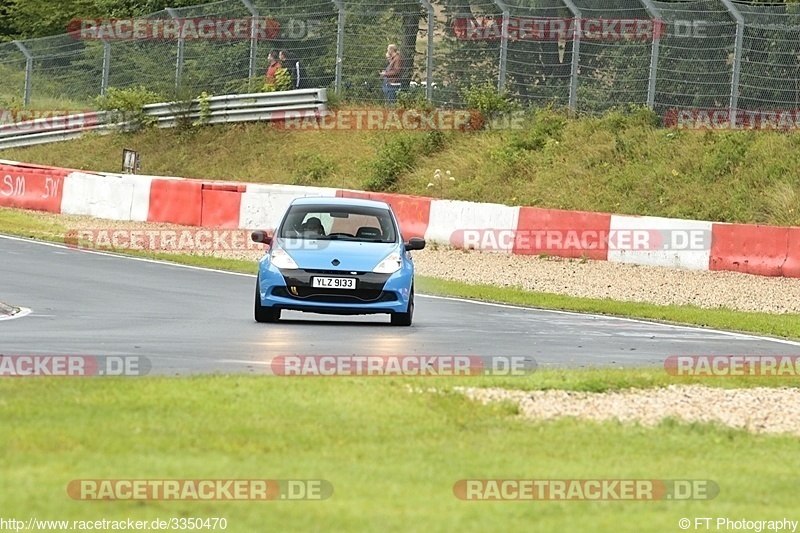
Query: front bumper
374, 293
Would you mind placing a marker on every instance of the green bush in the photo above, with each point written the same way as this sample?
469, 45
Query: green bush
131, 99
243, 86
127, 106
395, 157
545, 125
491, 104
334, 99
620, 119
205, 109
398, 155
432, 142
283, 82
413, 99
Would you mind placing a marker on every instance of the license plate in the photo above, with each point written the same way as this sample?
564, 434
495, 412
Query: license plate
333, 283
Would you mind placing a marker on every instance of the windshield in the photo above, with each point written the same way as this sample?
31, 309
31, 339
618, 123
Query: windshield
332, 222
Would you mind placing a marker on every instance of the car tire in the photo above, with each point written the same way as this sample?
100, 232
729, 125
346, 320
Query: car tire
404, 319
264, 314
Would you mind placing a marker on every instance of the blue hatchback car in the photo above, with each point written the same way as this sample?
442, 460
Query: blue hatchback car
339, 256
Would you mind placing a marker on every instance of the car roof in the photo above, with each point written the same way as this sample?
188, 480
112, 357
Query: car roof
339, 201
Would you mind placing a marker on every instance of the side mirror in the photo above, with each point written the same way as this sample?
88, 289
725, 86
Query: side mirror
261, 236
415, 243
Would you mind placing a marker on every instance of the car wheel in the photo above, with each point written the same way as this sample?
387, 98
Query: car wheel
404, 319
264, 314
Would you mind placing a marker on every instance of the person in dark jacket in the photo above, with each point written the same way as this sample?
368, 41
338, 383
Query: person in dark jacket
295, 68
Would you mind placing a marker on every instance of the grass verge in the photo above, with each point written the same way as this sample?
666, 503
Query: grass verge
392, 456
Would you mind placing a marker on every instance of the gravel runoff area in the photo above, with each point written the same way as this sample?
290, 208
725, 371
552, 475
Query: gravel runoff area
757, 410
588, 279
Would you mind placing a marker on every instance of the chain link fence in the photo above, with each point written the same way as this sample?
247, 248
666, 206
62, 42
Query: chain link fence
770, 58
696, 60
588, 55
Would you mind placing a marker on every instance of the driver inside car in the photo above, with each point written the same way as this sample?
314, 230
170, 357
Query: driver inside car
314, 225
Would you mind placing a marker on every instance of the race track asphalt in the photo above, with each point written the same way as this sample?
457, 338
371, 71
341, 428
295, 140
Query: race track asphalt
189, 321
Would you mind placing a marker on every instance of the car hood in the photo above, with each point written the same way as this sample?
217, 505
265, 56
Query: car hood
321, 254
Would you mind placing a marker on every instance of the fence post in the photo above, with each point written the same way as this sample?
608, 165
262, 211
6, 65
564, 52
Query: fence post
501, 79
576, 45
28, 72
658, 24
737, 59
251, 71
429, 63
106, 66
179, 60
337, 87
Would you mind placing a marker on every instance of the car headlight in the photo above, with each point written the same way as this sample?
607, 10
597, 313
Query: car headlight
390, 265
281, 259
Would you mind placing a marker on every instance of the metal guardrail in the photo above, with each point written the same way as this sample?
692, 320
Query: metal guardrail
224, 109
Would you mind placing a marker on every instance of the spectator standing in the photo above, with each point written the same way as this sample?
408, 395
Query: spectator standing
391, 74
295, 68
274, 65
384, 82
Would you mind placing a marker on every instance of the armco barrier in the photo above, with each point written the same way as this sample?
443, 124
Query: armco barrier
221, 109
28, 188
535, 219
413, 212
750, 249
176, 201
221, 204
673, 256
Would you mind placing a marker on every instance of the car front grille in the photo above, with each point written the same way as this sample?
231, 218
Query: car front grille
344, 296
333, 272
